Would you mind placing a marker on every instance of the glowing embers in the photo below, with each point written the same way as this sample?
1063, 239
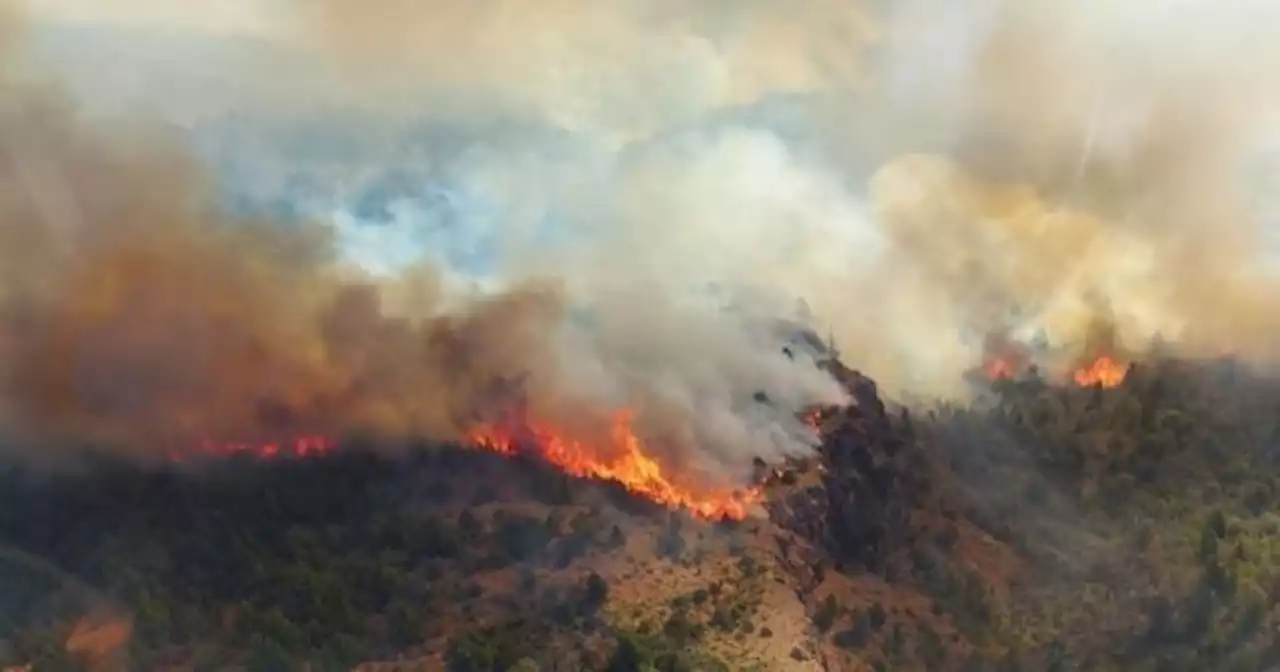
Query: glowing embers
299, 447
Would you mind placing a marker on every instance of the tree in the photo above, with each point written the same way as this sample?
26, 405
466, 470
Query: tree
855, 637
948, 537
521, 537
628, 656
931, 648
469, 525
528, 580
1217, 523
616, 538
1208, 544
671, 543
678, 628
437, 538
405, 624
269, 656
595, 594
827, 612
877, 616
475, 652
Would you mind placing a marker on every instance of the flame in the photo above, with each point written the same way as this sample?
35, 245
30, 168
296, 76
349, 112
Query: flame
299, 447
1103, 371
997, 369
1004, 357
628, 464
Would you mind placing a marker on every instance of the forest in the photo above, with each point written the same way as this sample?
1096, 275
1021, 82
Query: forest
1142, 518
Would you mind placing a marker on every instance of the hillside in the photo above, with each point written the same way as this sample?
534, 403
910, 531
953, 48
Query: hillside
1044, 527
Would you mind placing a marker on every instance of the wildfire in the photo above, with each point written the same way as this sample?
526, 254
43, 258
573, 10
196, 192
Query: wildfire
997, 369
1103, 371
300, 447
814, 418
1003, 357
625, 461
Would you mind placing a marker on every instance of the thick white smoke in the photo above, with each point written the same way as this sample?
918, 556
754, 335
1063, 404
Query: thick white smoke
918, 174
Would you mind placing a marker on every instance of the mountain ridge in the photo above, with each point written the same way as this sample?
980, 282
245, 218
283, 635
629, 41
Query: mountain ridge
1047, 527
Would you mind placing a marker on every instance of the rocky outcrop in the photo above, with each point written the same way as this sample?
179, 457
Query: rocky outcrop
854, 501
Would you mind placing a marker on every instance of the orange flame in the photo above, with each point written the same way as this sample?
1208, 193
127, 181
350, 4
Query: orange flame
630, 464
814, 418
1103, 371
1003, 357
997, 369
301, 447
627, 464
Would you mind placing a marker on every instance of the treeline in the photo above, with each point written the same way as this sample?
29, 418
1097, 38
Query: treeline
1165, 484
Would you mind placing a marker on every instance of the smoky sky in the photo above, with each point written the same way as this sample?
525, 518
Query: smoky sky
639, 187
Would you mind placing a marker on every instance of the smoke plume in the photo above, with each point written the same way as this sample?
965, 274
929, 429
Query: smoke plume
922, 174
138, 316
1101, 157
656, 182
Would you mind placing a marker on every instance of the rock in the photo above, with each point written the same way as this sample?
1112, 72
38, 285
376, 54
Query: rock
862, 509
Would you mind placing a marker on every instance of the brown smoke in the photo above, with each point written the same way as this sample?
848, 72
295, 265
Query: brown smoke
1051, 165
1064, 157
990, 167
619, 67
137, 316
